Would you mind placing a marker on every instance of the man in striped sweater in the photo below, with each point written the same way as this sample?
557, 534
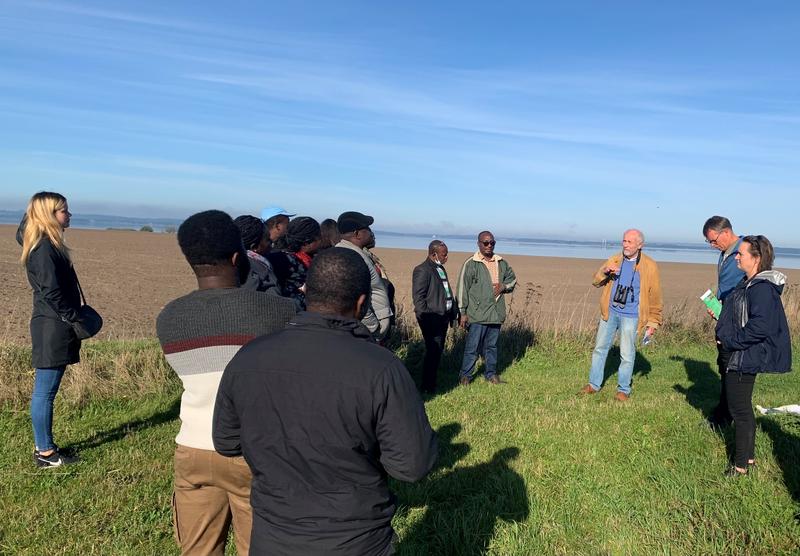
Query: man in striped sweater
200, 333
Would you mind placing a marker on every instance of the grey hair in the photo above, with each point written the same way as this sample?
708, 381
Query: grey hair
716, 223
638, 233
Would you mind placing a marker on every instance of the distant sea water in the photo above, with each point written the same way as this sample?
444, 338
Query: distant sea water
665, 252
102, 221
785, 257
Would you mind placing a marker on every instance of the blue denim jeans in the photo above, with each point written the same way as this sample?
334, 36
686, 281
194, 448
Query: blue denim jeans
45, 387
481, 338
627, 350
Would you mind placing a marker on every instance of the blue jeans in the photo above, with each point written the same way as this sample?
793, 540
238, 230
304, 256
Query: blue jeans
45, 387
481, 338
627, 350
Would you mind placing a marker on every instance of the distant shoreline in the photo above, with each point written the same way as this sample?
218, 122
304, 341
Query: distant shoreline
662, 253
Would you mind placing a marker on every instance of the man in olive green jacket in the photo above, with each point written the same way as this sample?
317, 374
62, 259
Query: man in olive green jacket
484, 280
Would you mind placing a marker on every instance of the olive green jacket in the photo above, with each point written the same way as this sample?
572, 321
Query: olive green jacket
476, 295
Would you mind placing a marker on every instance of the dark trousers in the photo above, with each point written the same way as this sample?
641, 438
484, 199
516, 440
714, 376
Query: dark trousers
434, 331
740, 402
721, 415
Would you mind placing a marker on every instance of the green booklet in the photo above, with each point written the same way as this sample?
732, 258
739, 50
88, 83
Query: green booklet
713, 304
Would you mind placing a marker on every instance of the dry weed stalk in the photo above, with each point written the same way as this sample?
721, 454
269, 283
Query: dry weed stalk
133, 368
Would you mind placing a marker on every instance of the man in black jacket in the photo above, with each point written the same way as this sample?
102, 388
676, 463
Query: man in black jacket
435, 308
322, 415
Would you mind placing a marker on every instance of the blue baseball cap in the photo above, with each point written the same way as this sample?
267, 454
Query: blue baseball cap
272, 210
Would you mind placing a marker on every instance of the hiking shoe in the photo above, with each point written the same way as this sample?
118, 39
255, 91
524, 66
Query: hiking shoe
496, 380
464, 381
588, 390
621, 397
56, 459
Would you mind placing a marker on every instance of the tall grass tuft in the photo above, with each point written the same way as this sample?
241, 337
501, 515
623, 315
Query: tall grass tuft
118, 369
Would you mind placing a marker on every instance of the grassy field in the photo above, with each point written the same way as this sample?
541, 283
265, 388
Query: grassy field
525, 468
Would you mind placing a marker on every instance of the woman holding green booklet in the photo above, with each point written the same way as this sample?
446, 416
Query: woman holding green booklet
753, 326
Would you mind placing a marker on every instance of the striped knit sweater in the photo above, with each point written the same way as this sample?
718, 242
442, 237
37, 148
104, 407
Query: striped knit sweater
200, 333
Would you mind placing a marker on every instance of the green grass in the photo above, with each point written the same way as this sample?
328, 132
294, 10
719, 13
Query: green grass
525, 468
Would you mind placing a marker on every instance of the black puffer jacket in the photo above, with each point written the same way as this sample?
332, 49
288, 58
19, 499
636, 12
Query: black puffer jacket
56, 300
753, 326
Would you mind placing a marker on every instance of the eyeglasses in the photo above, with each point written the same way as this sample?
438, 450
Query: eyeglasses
488, 243
713, 241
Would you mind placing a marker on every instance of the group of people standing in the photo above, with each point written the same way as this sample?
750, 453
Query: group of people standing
291, 422
478, 305
293, 416
280, 252
751, 332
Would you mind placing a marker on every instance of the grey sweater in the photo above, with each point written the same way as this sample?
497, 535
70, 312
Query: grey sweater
200, 333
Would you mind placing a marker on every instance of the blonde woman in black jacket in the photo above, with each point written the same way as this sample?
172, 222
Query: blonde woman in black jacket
56, 301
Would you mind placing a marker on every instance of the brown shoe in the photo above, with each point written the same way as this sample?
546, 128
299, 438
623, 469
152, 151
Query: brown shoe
464, 381
621, 397
496, 380
588, 390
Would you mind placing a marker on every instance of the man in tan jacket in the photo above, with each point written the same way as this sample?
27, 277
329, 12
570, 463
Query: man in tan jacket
630, 302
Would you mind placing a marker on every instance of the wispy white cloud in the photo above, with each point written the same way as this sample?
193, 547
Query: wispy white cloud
114, 15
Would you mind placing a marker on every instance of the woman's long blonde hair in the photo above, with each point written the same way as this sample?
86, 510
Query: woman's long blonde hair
40, 221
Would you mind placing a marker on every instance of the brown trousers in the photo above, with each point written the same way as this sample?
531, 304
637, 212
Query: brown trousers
210, 491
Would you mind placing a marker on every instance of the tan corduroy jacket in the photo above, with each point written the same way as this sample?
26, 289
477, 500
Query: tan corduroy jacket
650, 303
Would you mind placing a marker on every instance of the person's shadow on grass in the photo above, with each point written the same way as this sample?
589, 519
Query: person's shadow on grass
785, 436
121, 431
512, 345
703, 394
463, 505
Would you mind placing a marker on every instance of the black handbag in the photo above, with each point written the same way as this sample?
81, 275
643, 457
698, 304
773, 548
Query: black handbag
89, 321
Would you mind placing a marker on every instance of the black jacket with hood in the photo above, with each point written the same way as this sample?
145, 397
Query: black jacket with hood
753, 325
323, 416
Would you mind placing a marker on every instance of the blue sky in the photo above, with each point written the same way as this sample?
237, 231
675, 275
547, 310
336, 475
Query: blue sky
558, 119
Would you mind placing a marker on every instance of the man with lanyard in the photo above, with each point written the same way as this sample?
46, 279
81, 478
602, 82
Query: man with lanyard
434, 307
718, 233
630, 302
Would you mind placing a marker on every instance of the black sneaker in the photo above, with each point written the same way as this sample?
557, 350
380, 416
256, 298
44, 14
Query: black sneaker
56, 459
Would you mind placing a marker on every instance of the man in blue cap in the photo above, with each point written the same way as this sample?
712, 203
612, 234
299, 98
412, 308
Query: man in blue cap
276, 219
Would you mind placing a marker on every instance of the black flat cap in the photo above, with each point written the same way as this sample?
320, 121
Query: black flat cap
352, 221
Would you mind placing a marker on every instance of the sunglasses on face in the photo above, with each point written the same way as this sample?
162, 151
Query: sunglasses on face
488, 243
